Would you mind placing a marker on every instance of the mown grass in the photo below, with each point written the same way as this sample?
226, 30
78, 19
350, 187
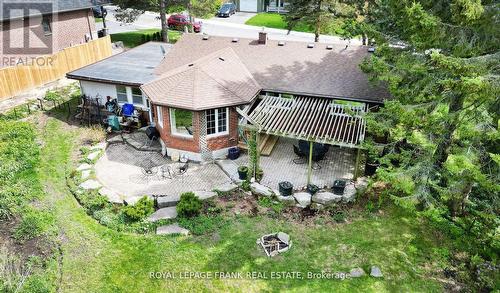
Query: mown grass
275, 20
98, 259
134, 38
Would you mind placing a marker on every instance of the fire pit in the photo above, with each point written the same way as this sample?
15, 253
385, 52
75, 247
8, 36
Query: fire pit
275, 243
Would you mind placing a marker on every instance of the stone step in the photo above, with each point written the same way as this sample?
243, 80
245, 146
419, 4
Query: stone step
167, 201
90, 184
171, 229
163, 214
230, 168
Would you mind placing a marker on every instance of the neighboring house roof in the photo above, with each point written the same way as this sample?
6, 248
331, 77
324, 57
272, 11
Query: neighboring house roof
132, 67
217, 80
293, 68
13, 9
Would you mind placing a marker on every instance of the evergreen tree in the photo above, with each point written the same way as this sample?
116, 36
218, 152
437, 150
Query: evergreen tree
440, 61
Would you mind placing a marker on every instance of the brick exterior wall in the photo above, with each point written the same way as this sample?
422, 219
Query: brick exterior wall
193, 144
229, 140
176, 141
68, 29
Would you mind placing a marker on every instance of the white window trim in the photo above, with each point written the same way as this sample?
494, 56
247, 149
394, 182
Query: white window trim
216, 134
159, 116
130, 100
173, 128
117, 93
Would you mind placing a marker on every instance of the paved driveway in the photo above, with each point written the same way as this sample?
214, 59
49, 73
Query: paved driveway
238, 17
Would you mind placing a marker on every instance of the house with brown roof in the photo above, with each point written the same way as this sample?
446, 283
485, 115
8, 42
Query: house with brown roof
33, 28
206, 87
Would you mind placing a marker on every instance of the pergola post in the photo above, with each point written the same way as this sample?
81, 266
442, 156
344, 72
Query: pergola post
309, 166
356, 167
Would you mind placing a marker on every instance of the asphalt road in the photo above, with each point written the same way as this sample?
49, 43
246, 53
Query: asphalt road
229, 27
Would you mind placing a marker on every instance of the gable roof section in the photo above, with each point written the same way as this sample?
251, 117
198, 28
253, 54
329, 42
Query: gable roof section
37, 8
292, 68
217, 80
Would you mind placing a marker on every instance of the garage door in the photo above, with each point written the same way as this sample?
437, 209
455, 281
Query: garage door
248, 5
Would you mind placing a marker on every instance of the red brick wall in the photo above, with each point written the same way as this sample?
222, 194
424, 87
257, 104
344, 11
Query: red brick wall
175, 141
229, 140
192, 144
68, 29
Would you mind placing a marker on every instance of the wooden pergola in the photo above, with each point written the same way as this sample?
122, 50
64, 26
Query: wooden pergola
314, 119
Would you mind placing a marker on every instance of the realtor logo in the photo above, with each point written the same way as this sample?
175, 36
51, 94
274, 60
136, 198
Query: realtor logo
27, 27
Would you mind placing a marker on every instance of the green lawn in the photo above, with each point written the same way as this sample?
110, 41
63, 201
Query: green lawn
134, 38
98, 19
275, 20
98, 259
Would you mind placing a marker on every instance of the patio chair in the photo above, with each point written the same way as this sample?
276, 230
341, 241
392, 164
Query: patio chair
301, 156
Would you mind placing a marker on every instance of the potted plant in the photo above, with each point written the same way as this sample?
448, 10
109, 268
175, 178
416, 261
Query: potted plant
339, 186
285, 188
259, 175
312, 189
243, 172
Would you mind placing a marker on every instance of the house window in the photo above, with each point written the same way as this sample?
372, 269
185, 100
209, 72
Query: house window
217, 121
159, 116
46, 25
121, 94
137, 96
181, 122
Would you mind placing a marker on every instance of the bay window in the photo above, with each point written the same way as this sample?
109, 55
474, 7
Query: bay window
181, 122
217, 121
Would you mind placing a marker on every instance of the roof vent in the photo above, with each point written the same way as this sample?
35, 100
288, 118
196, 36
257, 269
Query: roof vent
221, 59
281, 43
329, 47
310, 45
205, 37
190, 64
371, 49
235, 40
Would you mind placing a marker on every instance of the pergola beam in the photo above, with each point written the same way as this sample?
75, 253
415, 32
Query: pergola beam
310, 118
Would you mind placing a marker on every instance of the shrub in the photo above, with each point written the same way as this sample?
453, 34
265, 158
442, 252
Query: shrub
34, 223
267, 202
189, 205
245, 185
210, 207
339, 216
143, 208
93, 202
93, 134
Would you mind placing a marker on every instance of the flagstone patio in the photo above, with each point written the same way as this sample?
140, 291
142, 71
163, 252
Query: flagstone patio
132, 173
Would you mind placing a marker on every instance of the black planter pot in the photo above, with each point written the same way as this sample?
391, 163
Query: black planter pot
242, 173
285, 188
371, 168
339, 186
233, 153
312, 189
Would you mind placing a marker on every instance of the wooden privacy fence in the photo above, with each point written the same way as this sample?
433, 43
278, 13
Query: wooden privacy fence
16, 79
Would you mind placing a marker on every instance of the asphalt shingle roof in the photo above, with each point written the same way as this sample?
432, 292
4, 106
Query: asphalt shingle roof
217, 80
13, 9
292, 68
132, 67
